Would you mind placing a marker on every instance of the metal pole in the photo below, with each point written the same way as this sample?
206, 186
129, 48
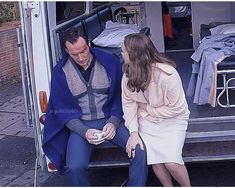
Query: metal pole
23, 74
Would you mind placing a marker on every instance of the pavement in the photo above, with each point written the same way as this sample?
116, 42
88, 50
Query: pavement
17, 156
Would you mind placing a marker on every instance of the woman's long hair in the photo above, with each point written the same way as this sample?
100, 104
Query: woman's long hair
142, 53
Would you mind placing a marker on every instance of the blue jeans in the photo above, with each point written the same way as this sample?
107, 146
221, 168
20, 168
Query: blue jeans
79, 152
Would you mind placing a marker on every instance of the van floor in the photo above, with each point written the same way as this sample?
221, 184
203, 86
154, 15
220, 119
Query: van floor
184, 67
180, 42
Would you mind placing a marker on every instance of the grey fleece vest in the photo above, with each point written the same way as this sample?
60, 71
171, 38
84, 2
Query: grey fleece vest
90, 95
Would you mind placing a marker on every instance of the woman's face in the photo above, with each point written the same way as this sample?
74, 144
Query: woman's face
125, 54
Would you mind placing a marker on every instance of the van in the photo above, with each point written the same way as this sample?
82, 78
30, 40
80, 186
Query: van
211, 131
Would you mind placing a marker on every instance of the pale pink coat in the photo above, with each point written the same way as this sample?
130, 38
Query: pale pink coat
164, 98
160, 114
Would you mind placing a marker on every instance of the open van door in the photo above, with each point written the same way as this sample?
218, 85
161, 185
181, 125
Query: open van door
36, 65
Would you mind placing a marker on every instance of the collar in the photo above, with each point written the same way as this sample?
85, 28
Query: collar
168, 69
92, 64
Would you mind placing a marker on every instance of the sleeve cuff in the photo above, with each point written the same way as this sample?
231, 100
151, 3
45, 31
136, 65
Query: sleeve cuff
77, 126
114, 120
134, 125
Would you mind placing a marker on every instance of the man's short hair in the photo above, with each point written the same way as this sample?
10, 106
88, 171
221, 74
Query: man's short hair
72, 34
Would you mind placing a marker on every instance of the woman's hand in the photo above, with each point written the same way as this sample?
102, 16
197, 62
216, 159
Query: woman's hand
133, 140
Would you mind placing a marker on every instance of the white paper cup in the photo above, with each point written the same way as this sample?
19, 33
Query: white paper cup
98, 135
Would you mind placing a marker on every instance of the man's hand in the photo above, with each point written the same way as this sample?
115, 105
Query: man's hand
92, 138
133, 140
109, 131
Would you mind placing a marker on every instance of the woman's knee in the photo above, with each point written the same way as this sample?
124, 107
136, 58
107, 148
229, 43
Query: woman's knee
173, 166
158, 167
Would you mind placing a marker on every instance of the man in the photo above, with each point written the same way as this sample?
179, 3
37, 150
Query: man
84, 110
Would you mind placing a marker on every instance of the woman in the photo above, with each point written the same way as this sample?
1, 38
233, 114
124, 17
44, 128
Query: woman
155, 108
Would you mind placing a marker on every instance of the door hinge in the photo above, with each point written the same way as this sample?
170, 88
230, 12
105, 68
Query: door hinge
33, 6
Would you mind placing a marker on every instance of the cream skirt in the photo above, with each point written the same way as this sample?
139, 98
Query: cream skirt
164, 141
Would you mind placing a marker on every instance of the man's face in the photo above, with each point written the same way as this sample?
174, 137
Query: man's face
80, 52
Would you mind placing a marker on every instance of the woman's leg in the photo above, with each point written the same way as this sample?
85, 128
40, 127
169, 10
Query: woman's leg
163, 175
179, 173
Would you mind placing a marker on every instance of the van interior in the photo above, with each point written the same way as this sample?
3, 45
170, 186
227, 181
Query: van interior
180, 24
182, 21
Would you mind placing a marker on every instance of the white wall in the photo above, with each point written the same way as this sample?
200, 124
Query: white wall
206, 12
154, 21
